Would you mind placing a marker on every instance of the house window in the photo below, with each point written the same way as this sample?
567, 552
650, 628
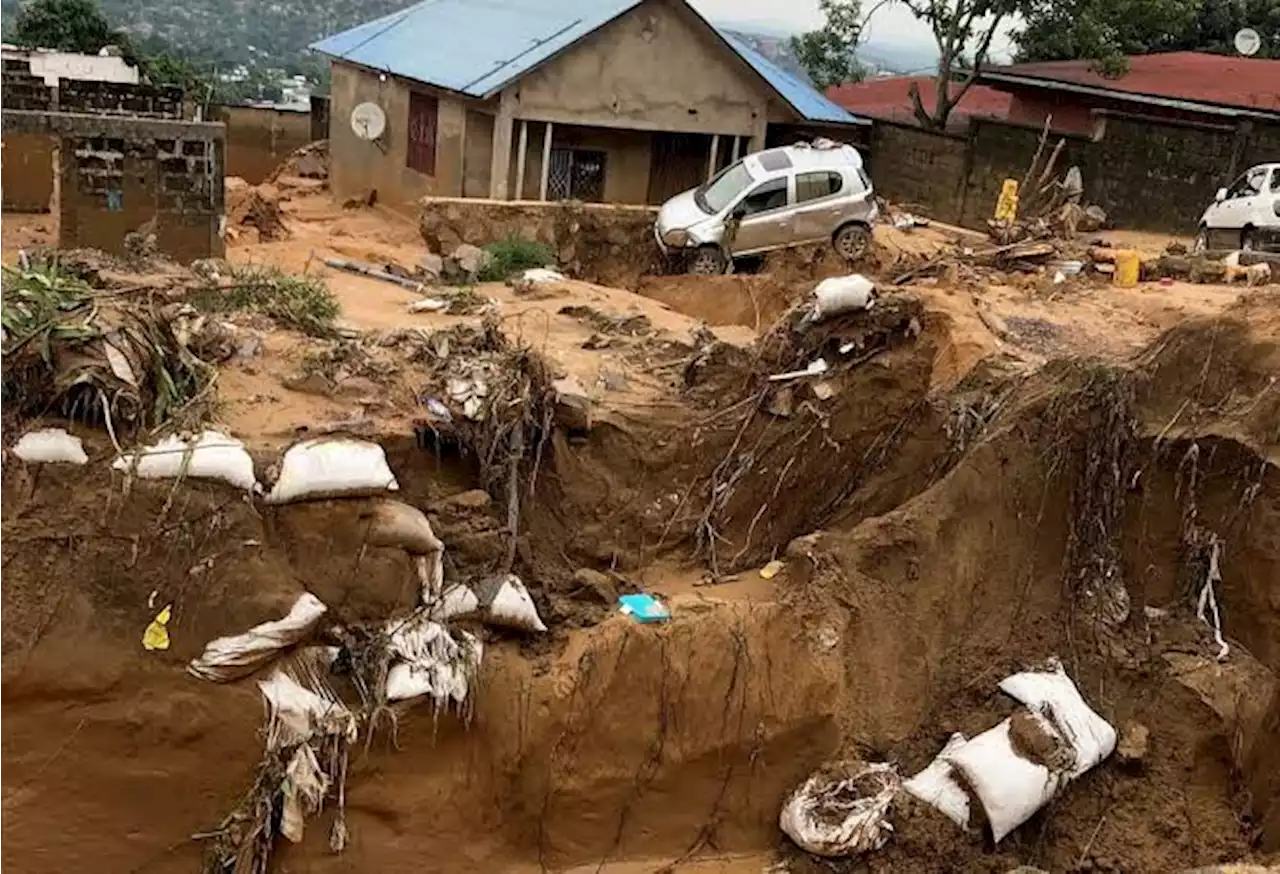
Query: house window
576, 174
813, 186
424, 113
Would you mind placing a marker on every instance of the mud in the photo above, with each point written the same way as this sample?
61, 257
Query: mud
946, 513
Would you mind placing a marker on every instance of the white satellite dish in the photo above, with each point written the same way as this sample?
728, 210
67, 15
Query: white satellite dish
368, 121
1248, 41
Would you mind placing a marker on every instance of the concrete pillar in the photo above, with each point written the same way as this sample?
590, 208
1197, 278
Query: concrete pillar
760, 127
500, 164
522, 149
546, 162
737, 144
711, 158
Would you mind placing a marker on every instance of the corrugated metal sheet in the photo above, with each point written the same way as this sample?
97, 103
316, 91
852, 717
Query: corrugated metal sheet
477, 47
472, 46
803, 97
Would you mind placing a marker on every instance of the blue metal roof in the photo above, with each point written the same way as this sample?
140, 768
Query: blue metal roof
477, 47
803, 97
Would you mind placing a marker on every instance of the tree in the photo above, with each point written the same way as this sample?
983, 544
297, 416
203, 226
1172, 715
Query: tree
827, 55
66, 25
1108, 31
958, 26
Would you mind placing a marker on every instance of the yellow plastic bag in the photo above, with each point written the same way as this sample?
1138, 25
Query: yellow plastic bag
1007, 204
157, 635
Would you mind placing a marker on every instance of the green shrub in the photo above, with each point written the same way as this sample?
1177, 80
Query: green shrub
512, 255
301, 302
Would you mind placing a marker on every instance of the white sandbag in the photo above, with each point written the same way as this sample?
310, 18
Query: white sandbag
1053, 694
1010, 787
429, 660
50, 446
937, 786
842, 294
534, 275
458, 600
401, 526
506, 602
296, 714
329, 467
229, 658
842, 810
211, 455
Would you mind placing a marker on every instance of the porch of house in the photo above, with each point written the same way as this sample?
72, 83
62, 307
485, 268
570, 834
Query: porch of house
546, 161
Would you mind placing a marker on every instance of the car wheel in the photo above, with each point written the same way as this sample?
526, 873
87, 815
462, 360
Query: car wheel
851, 241
1201, 243
1248, 240
706, 261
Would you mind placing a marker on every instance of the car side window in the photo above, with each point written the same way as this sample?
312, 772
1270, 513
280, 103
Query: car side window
1248, 184
1275, 179
766, 196
812, 186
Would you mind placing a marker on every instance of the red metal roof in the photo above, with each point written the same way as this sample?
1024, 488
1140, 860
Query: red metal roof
1196, 76
888, 99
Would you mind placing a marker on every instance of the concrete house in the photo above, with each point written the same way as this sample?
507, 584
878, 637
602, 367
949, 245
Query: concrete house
619, 101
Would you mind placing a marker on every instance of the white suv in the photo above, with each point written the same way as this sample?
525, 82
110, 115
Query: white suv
1245, 214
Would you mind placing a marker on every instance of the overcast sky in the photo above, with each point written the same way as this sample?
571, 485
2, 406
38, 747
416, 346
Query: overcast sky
892, 24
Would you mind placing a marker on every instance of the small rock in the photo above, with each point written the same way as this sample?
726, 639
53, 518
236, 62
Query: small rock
313, 383
596, 585
432, 266
358, 387
470, 259
1134, 741
476, 499
573, 405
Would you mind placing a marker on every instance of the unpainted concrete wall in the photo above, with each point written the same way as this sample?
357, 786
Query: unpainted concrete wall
909, 165
258, 139
653, 69
26, 162
1147, 173
477, 162
357, 166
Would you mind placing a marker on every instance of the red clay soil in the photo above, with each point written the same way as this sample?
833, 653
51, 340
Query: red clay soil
933, 545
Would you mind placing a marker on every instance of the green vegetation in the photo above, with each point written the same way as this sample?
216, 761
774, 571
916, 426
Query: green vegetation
512, 255
84, 353
301, 302
1107, 31
827, 55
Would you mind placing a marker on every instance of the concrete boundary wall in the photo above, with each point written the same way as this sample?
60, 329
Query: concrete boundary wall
121, 174
1148, 174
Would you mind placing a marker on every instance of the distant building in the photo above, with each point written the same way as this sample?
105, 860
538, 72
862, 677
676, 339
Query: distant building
888, 98
622, 101
1183, 86
51, 66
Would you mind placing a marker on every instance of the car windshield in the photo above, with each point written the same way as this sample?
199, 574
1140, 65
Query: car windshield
717, 194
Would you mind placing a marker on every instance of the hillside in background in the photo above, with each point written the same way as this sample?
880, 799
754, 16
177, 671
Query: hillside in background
274, 35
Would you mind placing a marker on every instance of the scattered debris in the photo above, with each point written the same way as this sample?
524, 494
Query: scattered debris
842, 809
772, 569
361, 269
50, 446
572, 404
156, 634
644, 608
1131, 750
